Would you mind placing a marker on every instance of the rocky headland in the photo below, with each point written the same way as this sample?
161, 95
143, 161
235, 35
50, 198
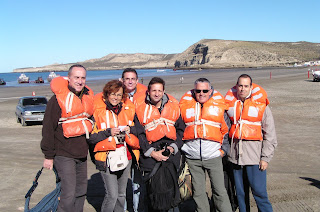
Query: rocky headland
205, 54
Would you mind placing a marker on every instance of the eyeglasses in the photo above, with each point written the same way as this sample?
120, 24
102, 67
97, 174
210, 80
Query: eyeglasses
117, 95
199, 91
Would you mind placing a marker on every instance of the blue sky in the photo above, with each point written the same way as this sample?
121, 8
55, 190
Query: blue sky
42, 32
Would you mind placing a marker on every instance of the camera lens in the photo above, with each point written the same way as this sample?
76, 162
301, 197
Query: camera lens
166, 152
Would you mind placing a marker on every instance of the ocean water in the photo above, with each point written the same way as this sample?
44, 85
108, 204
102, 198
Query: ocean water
12, 78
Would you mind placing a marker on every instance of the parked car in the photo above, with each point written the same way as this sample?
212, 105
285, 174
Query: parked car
31, 109
316, 75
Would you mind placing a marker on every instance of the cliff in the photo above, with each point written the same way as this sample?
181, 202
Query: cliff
205, 54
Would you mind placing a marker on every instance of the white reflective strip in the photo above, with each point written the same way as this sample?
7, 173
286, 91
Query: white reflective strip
116, 124
258, 96
149, 115
253, 111
256, 90
216, 97
69, 101
107, 119
187, 98
145, 114
228, 97
190, 113
230, 111
198, 107
213, 110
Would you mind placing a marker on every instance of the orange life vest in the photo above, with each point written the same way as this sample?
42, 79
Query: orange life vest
140, 91
203, 122
246, 116
158, 125
108, 119
74, 111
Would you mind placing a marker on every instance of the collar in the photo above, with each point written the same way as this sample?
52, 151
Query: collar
116, 109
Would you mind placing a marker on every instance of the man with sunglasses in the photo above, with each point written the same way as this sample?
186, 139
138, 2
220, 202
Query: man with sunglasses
206, 142
253, 141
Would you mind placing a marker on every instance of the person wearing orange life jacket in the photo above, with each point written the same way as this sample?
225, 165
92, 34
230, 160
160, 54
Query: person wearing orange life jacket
113, 128
253, 141
134, 89
203, 112
65, 127
159, 116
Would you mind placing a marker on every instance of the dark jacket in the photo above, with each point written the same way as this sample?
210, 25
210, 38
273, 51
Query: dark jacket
53, 142
146, 162
97, 136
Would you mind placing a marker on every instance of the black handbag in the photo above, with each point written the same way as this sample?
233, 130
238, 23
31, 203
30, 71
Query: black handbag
50, 201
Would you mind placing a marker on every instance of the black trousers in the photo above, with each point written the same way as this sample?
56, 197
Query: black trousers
73, 175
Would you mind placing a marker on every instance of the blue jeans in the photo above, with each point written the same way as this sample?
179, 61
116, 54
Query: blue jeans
136, 189
250, 175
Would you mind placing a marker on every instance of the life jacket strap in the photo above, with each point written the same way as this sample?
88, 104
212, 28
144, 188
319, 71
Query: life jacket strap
163, 121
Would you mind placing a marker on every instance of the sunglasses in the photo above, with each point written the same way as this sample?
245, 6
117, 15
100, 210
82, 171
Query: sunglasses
199, 91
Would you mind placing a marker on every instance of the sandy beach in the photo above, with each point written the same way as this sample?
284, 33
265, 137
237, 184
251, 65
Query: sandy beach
293, 174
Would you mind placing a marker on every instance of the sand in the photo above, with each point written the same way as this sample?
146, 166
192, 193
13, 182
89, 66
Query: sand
293, 174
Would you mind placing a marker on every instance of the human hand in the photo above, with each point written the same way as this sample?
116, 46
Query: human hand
126, 129
263, 165
157, 155
171, 149
48, 163
115, 131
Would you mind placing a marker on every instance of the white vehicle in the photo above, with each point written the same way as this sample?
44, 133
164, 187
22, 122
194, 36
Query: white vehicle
316, 75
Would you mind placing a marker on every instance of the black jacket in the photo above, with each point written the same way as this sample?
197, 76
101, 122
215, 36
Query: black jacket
146, 162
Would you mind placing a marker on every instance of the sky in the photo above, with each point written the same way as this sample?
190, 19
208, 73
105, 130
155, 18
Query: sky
36, 33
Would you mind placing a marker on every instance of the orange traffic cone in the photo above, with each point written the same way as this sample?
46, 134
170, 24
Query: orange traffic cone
33, 93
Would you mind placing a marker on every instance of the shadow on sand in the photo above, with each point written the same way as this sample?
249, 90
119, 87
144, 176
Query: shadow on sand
314, 182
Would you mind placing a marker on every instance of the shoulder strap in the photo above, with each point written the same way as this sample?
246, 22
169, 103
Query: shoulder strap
154, 170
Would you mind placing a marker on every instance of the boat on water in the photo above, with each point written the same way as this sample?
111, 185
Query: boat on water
161, 70
52, 75
39, 80
23, 79
2, 82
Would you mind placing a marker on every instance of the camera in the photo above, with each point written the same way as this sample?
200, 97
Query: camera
166, 151
121, 137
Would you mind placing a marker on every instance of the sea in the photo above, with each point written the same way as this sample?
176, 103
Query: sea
12, 78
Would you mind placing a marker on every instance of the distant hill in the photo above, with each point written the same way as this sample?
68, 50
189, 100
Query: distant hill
205, 54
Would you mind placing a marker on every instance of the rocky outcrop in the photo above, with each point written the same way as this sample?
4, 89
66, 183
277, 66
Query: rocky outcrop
207, 53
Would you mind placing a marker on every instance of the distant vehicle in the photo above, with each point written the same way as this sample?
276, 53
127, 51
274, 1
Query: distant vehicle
316, 76
31, 109
23, 79
2, 82
52, 75
39, 80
